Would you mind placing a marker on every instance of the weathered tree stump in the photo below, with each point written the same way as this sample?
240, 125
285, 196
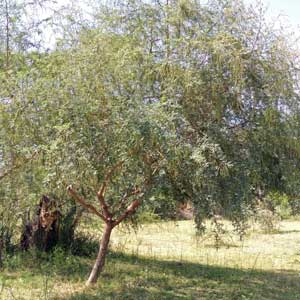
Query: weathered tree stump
43, 231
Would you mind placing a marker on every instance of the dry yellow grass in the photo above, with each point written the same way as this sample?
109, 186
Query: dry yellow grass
178, 241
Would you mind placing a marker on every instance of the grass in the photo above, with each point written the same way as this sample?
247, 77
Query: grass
177, 241
166, 261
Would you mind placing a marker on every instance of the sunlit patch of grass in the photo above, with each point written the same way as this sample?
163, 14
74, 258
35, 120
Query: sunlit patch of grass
178, 241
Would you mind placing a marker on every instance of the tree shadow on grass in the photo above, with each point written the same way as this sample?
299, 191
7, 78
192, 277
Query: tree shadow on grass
130, 277
58, 265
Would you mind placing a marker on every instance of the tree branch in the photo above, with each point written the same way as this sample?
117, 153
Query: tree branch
100, 194
125, 197
83, 203
129, 211
104, 206
108, 176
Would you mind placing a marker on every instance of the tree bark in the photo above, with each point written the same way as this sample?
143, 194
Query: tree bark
107, 216
100, 260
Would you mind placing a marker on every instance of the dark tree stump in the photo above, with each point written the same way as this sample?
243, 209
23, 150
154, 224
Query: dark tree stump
26, 237
43, 231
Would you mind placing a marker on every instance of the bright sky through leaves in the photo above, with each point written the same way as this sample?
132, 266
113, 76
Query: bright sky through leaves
289, 10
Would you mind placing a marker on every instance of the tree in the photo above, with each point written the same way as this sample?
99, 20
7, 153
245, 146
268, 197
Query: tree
159, 97
95, 133
234, 80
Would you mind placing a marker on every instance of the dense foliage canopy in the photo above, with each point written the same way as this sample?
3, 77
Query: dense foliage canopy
177, 99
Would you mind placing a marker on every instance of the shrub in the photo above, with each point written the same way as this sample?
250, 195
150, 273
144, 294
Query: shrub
218, 231
6, 244
83, 245
268, 220
278, 203
294, 204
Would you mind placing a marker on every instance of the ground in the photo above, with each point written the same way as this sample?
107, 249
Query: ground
167, 261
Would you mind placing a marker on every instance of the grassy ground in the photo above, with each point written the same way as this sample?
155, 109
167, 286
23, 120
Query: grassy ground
177, 241
166, 261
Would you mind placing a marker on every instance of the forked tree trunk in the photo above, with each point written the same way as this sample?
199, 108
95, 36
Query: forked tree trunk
106, 215
100, 260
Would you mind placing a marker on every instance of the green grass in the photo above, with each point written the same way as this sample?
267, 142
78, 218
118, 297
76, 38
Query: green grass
178, 267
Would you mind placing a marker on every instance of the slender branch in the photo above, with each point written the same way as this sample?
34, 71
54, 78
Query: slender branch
108, 176
125, 197
104, 206
83, 203
129, 211
135, 191
100, 195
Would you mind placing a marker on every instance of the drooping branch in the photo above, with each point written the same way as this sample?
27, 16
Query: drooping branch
83, 203
129, 211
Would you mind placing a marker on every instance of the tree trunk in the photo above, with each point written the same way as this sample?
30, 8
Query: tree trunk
100, 261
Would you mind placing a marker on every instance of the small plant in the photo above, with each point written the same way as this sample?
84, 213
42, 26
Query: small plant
218, 231
268, 220
83, 245
240, 221
45, 289
241, 227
